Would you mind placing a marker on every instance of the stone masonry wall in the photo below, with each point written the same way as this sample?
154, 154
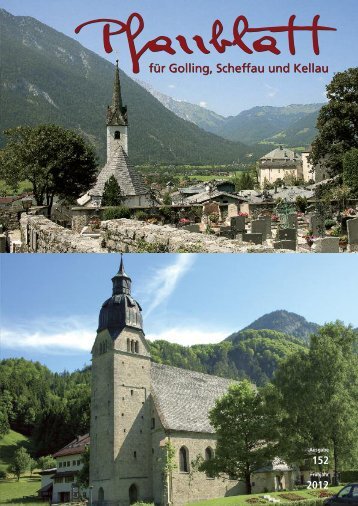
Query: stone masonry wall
9, 218
195, 485
135, 236
40, 235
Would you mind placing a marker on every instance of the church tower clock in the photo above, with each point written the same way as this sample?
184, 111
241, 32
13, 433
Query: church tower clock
121, 455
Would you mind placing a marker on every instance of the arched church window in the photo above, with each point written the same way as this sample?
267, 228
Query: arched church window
183, 460
128, 345
132, 346
209, 453
117, 134
136, 347
133, 494
100, 495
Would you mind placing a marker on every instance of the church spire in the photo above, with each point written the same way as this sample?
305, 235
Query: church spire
121, 282
116, 98
116, 113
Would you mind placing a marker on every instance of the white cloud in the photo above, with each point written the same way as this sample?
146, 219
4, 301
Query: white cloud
272, 92
50, 336
166, 279
171, 86
189, 336
203, 103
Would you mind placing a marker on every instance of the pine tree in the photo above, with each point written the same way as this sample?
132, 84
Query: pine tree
112, 195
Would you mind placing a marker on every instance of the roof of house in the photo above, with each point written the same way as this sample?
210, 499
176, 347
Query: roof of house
47, 471
184, 398
77, 446
128, 178
200, 198
276, 465
289, 194
280, 153
46, 488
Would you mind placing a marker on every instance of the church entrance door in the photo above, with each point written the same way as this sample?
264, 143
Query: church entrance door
133, 494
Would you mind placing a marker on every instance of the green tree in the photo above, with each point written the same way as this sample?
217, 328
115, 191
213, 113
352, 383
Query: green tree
167, 200
112, 195
323, 411
20, 462
244, 181
350, 170
83, 475
32, 465
58, 162
245, 431
337, 122
46, 462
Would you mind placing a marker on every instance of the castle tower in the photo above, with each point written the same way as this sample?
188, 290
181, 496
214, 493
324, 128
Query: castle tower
121, 453
117, 121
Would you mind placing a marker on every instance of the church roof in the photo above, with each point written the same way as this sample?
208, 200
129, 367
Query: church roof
184, 398
116, 112
120, 310
128, 178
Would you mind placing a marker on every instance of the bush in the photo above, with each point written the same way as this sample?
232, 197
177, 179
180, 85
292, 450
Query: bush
141, 215
301, 204
350, 170
348, 476
329, 223
2, 475
114, 213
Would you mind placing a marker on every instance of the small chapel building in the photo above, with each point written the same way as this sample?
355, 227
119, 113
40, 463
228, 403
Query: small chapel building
142, 411
133, 190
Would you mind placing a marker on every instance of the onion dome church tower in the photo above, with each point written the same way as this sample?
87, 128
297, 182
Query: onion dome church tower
134, 192
120, 401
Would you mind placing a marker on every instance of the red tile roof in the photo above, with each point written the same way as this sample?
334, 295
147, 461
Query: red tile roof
76, 446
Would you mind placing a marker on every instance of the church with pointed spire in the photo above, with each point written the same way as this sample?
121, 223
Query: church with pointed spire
141, 410
134, 192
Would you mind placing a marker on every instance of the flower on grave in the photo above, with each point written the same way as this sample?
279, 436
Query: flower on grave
349, 212
184, 221
245, 215
274, 217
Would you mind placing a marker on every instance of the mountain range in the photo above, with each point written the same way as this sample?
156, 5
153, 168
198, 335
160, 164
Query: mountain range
293, 125
47, 77
253, 352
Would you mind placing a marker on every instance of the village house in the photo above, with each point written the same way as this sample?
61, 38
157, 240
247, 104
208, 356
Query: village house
279, 163
60, 484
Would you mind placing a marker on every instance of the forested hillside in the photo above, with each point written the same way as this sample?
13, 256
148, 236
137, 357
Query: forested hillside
47, 77
54, 408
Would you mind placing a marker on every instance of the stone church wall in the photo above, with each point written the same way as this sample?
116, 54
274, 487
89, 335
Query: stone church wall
195, 485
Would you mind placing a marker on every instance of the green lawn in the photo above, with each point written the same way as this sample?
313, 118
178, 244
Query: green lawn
240, 500
8, 444
6, 190
23, 492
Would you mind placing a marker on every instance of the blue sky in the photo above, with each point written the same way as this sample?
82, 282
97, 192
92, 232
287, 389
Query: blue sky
50, 303
224, 94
